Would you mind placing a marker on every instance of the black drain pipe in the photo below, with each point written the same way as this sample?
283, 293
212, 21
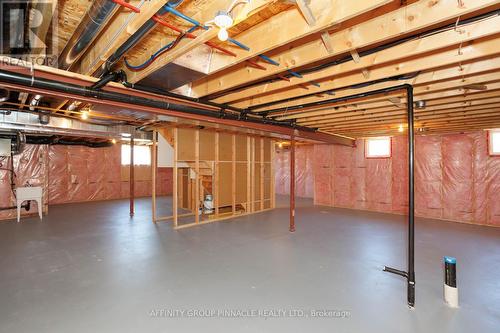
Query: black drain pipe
33, 82
133, 40
121, 76
410, 273
182, 97
95, 18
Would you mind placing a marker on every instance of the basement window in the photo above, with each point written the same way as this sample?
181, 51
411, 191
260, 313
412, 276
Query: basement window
494, 142
142, 155
378, 147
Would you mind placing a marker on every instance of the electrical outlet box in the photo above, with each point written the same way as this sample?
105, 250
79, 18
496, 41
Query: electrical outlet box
5, 147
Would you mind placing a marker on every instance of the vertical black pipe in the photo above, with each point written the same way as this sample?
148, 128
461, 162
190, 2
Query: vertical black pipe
292, 184
411, 198
132, 178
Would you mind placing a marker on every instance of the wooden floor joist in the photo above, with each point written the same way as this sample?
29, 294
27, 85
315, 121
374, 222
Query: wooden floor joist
416, 16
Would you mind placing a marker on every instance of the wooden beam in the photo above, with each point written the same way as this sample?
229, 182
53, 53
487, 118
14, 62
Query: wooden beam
273, 177
409, 49
41, 30
379, 118
168, 57
416, 16
249, 203
428, 82
154, 166
201, 15
233, 173
253, 178
197, 176
327, 42
175, 201
306, 12
261, 174
476, 50
215, 179
21, 67
270, 34
292, 185
132, 177
422, 121
121, 27
383, 109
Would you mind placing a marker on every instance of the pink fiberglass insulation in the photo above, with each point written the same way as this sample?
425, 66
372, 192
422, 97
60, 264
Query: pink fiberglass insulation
164, 183
309, 184
428, 176
30, 169
282, 173
342, 175
322, 175
300, 172
74, 174
379, 184
455, 178
480, 166
304, 177
400, 174
78, 189
358, 181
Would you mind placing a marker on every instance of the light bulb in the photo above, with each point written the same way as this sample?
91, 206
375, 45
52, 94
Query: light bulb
113, 141
84, 115
401, 129
223, 35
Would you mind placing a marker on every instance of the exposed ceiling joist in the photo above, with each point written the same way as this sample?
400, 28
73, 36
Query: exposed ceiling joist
427, 82
416, 16
386, 105
404, 51
270, 35
472, 51
121, 27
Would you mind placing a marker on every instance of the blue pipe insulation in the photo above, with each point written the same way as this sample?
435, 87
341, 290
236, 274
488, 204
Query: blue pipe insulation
241, 45
269, 60
294, 74
171, 10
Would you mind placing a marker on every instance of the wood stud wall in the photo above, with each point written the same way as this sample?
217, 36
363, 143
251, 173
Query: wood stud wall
242, 180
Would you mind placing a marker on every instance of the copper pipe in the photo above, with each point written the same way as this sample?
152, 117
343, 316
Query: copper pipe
292, 184
132, 180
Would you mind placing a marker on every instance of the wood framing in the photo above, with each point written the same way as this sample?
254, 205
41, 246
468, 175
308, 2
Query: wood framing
234, 168
413, 17
154, 168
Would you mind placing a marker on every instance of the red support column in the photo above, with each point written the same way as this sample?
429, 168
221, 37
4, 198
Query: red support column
292, 184
132, 176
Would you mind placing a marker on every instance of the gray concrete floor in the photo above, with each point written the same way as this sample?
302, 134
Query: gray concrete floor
90, 268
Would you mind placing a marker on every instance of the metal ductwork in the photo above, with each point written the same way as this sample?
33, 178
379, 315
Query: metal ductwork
84, 91
95, 19
4, 95
29, 123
